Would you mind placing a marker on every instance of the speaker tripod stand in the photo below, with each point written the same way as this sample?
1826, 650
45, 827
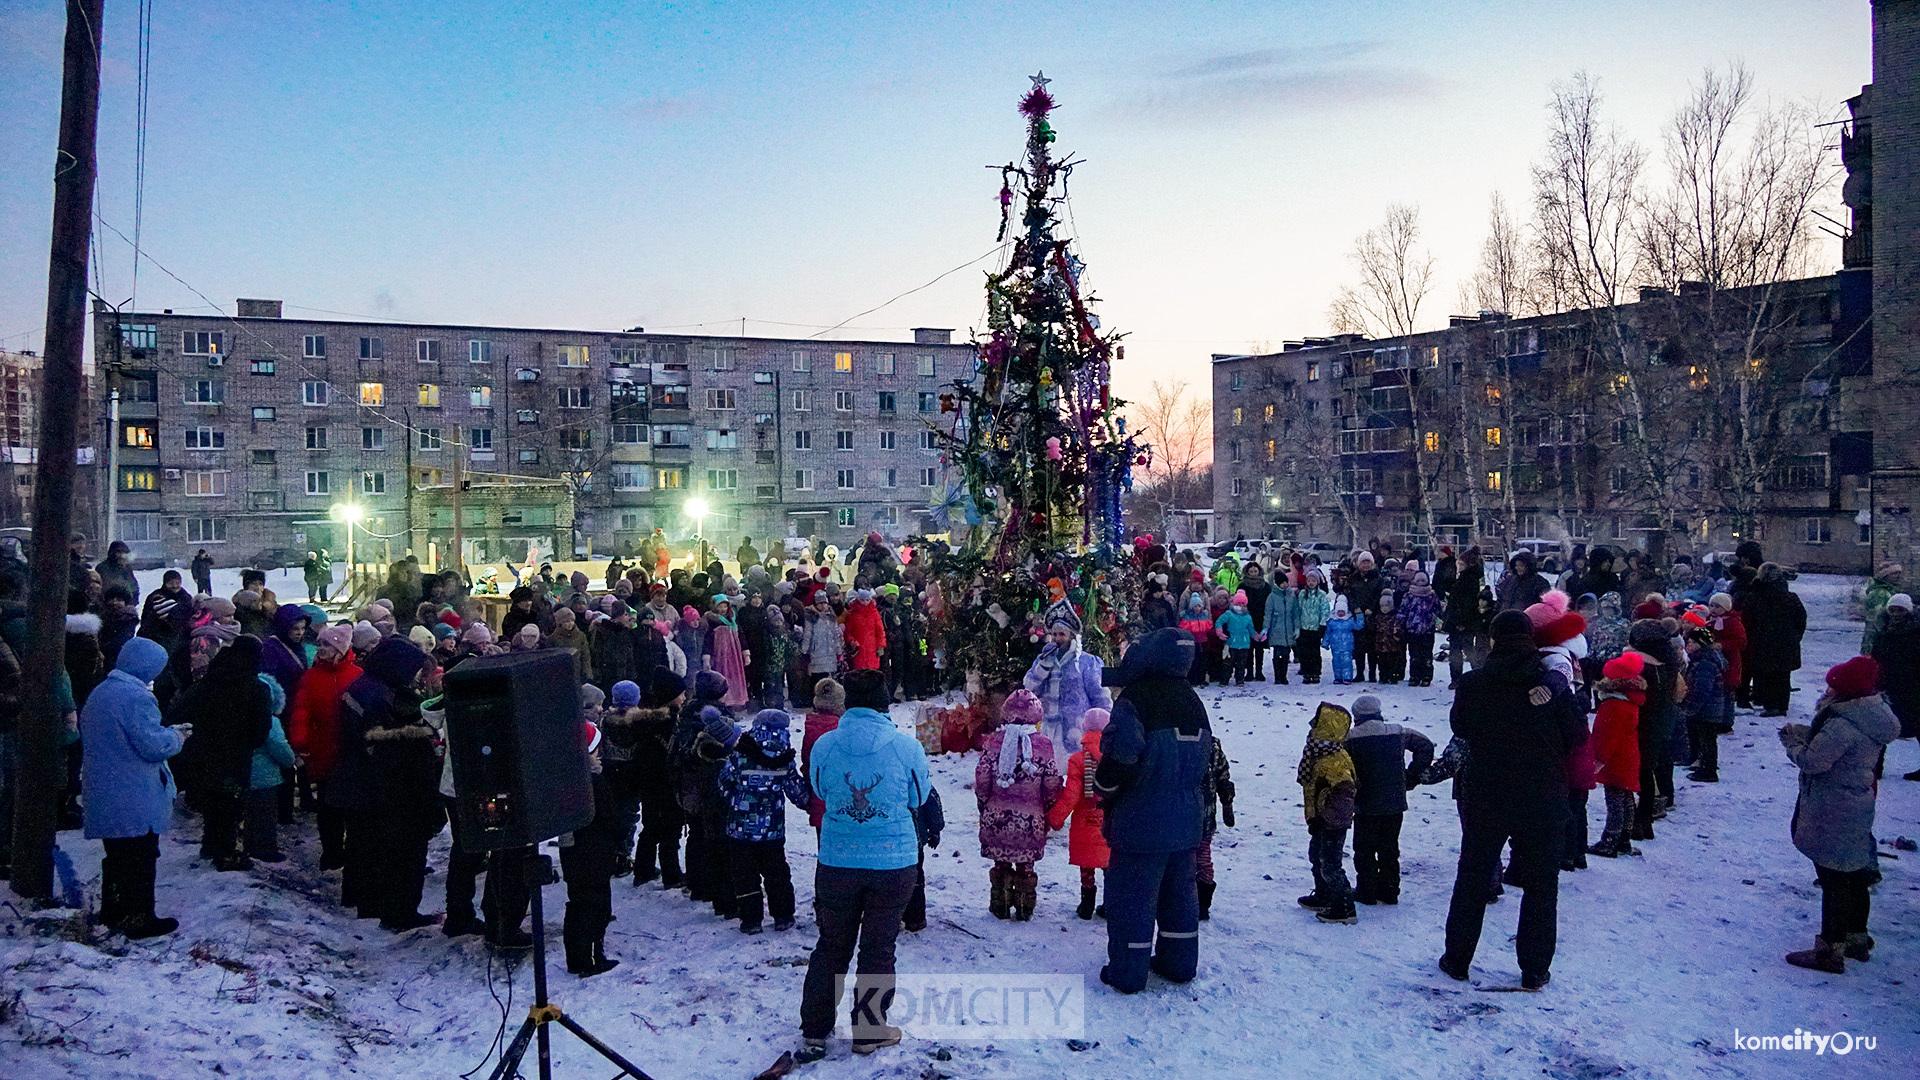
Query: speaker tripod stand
533, 1030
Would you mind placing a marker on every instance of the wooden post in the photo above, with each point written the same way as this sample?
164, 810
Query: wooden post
39, 771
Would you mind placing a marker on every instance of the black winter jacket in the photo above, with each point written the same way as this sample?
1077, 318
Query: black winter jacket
1521, 720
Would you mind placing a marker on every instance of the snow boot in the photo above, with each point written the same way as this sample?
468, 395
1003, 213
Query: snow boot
1704, 776
143, 926
1313, 901
1824, 956
1025, 889
1456, 972
885, 1035
400, 924
811, 1050
1206, 898
1339, 912
1001, 898
783, 925
1088, 894
1859, 946
597, 962
1605, 850
1535, 982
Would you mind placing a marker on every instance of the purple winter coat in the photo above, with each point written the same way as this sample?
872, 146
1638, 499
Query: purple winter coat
1013, 820
284, 660
1078, 689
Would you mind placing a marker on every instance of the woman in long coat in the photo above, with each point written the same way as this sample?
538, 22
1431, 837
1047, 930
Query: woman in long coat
1067, 682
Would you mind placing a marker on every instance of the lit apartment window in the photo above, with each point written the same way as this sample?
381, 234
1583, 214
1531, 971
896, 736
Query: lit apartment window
139, 478
1239, 415
202, 342
1493, 394
138, 436
480, 397
1313, 371
843, 361
373, 394
672, 479
1266, 412
1495, 480
1432, 442
260, 366
573, 356
1493, 437
429, 395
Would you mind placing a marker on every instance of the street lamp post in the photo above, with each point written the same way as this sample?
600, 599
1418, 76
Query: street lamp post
349, 514
697, 509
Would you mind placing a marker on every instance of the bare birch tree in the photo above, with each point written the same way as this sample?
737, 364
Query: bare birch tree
1396, 273
1178, 424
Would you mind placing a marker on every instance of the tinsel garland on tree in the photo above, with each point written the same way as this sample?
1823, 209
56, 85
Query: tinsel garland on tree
1043, 454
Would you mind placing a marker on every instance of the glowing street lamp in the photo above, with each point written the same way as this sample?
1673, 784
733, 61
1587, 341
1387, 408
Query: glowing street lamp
697, 509
351, 515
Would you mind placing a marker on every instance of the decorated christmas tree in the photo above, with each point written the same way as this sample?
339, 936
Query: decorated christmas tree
1043, 454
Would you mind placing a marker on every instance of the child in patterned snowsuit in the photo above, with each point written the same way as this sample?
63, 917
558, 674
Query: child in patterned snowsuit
761, 772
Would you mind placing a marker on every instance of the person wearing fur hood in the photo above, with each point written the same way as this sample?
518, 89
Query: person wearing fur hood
1067, 682
1838, 756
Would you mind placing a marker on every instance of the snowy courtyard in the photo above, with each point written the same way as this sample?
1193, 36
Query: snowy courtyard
1662, 959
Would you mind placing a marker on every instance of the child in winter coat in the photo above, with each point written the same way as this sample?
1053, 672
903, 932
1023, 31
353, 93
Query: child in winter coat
1708, 707
1388, 761
1015, 784
1217, 795
1616, 748
1235, 627
1281, 629
1316, 607
1340, 632
586, 864
1389, 641
1195, 621
754, 779
1329, 786
1080, 803
1419, 617
261, 823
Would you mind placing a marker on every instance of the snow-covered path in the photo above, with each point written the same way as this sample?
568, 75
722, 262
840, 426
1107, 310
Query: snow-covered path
1660, 960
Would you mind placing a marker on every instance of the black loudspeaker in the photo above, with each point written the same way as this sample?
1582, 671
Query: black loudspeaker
519, 758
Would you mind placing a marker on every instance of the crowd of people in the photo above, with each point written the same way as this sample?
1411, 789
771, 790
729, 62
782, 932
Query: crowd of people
262, 710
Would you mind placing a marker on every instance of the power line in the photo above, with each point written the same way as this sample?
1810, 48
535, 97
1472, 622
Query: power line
989, 253
141, 97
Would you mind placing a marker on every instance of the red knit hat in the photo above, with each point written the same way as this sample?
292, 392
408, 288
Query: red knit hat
1694, 619
1648, 609
1855, 678
1560, 631
1628, 665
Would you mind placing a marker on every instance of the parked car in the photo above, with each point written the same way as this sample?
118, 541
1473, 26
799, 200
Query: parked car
1327, 552
280, 558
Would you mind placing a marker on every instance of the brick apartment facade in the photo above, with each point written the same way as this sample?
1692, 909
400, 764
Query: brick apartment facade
240, 434
1520, 441
1884, 187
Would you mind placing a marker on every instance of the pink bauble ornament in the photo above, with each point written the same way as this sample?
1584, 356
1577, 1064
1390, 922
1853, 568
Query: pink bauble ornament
1053, 449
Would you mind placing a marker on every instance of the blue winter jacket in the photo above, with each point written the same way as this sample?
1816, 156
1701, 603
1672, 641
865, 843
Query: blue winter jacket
1154, 754
753, 781
124, 779
1282, 623
1339, 633
1236, 627
871, 776
1380, 751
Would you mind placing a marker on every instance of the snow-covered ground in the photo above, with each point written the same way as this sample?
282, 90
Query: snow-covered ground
1661, 958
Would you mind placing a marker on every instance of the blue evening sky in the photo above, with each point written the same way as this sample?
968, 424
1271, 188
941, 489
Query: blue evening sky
618, 164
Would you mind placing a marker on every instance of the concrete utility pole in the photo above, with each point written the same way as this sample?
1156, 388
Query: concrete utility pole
39, 774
